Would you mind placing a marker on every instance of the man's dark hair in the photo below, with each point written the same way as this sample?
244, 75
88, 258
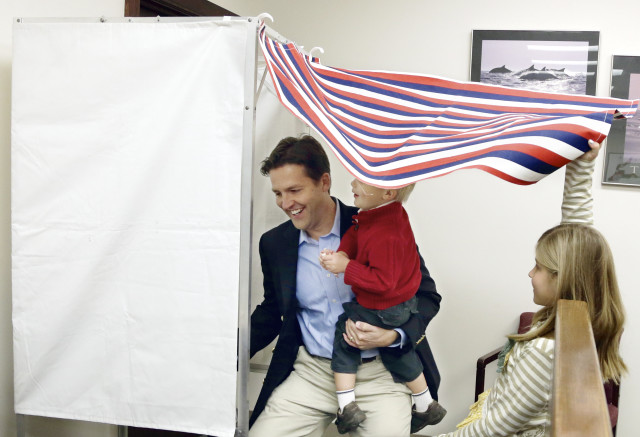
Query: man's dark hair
305, 151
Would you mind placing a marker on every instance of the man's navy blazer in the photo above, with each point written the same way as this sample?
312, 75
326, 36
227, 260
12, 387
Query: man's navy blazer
276, 315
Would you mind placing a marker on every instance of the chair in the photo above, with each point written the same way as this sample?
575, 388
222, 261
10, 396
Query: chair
611, 389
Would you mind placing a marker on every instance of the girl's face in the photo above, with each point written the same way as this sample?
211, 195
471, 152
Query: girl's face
545, 289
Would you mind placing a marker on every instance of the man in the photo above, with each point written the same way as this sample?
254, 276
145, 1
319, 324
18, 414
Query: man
302, 303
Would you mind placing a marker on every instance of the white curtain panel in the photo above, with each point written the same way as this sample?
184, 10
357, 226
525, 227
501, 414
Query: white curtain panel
126, 162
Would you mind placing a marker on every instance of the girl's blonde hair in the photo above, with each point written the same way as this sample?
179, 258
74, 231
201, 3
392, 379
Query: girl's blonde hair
580, 258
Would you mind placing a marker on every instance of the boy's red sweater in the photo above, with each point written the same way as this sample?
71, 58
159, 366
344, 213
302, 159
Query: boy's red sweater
385, 268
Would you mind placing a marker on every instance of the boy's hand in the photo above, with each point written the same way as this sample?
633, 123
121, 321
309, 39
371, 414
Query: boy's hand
335, 262
324, 253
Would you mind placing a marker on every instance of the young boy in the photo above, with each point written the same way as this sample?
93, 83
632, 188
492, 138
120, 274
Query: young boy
379, 260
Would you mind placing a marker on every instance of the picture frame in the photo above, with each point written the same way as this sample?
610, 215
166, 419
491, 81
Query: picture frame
622, 152
550, 61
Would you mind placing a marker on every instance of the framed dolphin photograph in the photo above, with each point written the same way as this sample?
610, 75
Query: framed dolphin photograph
550, 61
622, 153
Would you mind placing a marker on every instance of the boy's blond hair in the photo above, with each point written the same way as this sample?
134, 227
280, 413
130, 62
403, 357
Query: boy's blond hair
404, 192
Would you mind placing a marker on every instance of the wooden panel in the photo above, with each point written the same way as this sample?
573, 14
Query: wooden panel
579, 407
132, 8
145, 432
174, 8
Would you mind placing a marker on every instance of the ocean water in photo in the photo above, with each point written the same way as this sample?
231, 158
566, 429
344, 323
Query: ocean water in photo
566, 82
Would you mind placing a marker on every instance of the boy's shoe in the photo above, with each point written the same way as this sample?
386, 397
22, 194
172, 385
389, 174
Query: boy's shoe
434, 414
350, 418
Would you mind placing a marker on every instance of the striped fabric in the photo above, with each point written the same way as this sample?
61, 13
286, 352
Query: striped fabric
391, 129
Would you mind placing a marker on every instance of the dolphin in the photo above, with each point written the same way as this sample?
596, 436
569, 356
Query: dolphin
502, 69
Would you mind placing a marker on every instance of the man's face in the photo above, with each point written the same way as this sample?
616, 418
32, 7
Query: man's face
300, 197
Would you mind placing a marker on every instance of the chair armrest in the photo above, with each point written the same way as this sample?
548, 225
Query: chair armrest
480, 369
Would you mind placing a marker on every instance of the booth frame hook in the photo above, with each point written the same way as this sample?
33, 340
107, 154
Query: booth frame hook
320, 49
264, 15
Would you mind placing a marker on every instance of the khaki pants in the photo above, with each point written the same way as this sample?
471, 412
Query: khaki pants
306, 403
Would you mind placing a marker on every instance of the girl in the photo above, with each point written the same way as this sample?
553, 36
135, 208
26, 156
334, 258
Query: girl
573, 261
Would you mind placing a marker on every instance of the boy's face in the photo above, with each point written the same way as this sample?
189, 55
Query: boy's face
367, 197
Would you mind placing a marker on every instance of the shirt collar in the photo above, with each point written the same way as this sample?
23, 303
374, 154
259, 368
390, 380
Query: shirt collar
335, 230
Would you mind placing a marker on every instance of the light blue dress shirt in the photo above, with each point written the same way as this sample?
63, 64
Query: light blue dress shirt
321, 294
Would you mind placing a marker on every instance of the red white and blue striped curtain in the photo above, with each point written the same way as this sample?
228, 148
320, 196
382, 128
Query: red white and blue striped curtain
391, 129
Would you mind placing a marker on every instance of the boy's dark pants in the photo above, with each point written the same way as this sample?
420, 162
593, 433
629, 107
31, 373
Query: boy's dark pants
404, 366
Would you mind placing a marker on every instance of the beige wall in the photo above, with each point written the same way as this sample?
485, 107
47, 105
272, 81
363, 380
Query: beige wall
475, 231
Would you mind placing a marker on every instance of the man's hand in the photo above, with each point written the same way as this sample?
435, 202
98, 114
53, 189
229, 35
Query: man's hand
364, 336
